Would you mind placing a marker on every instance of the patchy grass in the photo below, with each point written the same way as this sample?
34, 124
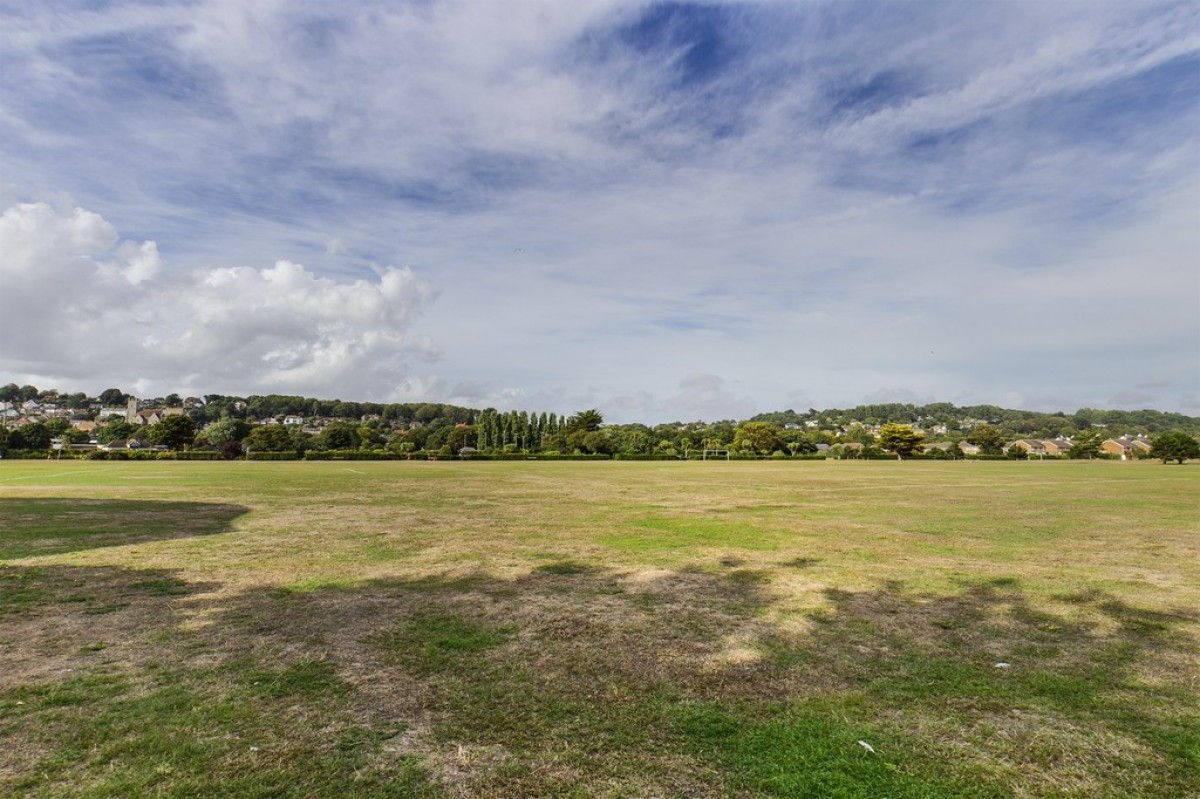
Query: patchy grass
607, 629
50, 526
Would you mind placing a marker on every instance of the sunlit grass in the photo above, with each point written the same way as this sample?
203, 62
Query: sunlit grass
599, 629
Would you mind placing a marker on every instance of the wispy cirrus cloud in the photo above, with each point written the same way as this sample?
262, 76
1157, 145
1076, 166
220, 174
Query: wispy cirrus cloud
808, 200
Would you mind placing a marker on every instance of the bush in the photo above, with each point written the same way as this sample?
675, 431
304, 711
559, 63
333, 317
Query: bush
123, 455
352, 455
644, 456
197, 455
272, 456
26, 454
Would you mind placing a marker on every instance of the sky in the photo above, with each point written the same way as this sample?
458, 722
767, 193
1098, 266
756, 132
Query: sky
666, 211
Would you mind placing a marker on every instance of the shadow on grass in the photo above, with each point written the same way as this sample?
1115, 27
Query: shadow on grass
577, 680
37, 526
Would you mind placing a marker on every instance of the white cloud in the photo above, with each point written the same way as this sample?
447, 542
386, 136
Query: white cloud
598, 236
77, 307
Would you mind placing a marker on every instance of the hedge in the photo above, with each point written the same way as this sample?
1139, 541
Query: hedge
351, 455
198, 455
123, 455
272, 456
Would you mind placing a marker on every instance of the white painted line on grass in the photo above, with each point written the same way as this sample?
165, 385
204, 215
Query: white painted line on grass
41, 476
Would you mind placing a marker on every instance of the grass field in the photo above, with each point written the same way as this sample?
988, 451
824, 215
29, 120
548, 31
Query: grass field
599, 629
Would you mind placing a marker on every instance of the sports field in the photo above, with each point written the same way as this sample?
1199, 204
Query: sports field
824, 629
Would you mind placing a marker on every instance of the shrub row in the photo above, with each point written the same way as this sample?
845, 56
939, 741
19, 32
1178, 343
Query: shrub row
197, 455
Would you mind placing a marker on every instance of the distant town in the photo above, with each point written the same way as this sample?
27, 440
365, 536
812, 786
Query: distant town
117, 425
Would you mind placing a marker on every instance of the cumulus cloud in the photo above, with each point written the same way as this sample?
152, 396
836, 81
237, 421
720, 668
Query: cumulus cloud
805, 201
78, 306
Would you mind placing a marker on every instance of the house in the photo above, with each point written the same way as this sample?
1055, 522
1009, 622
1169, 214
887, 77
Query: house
130, 444
1057, 446
968, 449
149, 416
1030, 446
1126, 446
1117, 447
296, 420
86, 426
1141, 444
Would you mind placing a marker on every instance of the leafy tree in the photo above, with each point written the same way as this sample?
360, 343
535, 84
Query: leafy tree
636, 441
899, 438
223, 431
989, 439
56, 427
401, 447
73, 436
10, 392
301, 441
269, 438
34, 435
587, 421
461, 436
761, 438
114, 430
1174, 445
112, 396
174, 432
338, 435
600, 442
1086, 445
857, 434
369, 437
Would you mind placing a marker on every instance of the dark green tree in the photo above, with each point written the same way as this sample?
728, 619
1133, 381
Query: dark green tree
56, 427
1086, 445
174, 432
1174, 445
114, 430
34, 435
586, 421
269, 438
338, 435
112, 396
989, 439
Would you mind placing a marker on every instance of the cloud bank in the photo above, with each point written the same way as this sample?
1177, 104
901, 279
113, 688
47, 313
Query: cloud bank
78, 306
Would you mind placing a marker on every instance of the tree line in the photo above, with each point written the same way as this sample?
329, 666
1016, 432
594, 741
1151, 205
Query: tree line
233, 425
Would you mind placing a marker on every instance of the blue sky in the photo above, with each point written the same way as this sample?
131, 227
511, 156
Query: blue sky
664, 210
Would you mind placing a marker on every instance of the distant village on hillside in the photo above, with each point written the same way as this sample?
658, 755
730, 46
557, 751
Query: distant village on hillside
34, 421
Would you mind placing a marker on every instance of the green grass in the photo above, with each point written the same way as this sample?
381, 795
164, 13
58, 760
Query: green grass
601, 629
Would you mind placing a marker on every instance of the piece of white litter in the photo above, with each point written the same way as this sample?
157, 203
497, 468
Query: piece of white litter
1001, 665
867, 746
254, 749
